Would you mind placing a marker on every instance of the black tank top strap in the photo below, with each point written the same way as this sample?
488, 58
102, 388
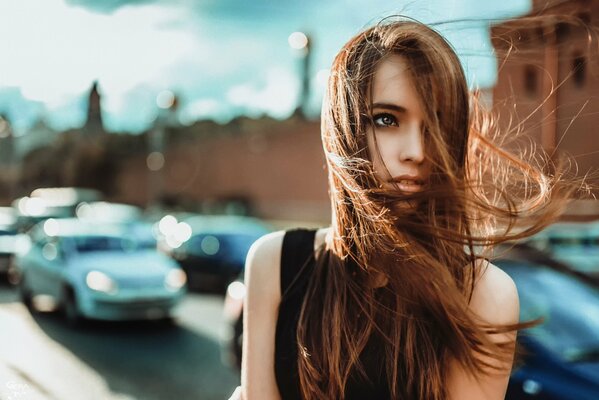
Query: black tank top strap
296, 254
296, 265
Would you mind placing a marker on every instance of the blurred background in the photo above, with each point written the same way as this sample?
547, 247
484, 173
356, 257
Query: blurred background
146, 144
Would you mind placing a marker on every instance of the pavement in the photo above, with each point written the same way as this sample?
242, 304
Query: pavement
36, 368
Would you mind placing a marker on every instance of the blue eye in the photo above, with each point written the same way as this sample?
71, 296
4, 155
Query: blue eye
384, 120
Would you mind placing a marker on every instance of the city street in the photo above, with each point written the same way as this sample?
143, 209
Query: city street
42, 358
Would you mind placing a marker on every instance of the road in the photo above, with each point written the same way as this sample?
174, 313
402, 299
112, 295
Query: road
42, 358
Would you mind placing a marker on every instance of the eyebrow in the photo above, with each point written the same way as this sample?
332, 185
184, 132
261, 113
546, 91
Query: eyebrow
389, 106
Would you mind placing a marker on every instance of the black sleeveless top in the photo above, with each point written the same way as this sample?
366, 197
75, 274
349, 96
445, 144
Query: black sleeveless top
297, 263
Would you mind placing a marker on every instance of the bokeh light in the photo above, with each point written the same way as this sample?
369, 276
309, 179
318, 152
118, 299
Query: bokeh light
155, 161
165, 99
298, 40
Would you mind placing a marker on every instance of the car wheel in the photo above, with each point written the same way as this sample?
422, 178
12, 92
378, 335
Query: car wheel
25, 294
70, 308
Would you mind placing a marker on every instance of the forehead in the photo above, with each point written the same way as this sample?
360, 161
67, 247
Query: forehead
392, 83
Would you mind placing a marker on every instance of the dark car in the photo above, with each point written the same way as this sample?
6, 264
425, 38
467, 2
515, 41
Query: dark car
214, 252
562, 354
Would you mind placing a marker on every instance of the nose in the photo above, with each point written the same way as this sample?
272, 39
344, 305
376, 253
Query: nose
413, 146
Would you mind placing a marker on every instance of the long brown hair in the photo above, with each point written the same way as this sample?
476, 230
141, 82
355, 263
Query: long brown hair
479, 195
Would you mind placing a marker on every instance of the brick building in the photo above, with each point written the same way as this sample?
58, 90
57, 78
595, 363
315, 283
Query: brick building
548, 78
277, 167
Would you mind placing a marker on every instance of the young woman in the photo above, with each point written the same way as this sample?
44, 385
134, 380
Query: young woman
394, 300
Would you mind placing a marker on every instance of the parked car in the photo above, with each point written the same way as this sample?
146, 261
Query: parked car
212, 252
44, 203
109, 212
562, 354
99, 270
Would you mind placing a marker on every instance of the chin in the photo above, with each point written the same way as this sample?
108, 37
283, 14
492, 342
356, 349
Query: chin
406, 205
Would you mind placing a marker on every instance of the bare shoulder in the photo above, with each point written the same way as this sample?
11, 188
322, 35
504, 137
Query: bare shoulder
263, 263
495, 296
495, 302
261, 302
321, 236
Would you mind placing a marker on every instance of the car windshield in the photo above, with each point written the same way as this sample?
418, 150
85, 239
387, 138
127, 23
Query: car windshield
88, 244
231, 246
569, 306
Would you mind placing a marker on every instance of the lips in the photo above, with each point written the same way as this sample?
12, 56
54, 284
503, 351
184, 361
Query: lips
409, 183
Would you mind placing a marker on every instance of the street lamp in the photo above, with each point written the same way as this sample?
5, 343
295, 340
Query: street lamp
300, 42
167, 103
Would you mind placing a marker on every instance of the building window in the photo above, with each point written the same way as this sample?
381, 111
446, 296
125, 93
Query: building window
531, 83
562, 30
584, 17
579, 66
523, 37
540, 34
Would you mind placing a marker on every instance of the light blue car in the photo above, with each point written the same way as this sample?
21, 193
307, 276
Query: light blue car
99, 270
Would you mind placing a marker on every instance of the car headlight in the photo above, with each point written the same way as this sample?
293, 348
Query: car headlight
100, 282
175, 279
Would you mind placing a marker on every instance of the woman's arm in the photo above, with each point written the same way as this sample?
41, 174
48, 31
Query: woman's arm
495, 301
262, 279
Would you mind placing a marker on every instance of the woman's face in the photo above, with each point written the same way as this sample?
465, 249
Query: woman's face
401, 162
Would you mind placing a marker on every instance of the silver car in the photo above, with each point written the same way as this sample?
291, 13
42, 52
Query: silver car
99, 270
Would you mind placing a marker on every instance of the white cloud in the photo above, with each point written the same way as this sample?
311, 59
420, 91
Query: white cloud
278, 96
202, 109
57, 50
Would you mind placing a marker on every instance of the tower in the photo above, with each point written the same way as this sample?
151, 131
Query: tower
94, 125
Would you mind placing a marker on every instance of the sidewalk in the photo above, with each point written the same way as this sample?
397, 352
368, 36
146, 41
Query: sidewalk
34, 367
15, 385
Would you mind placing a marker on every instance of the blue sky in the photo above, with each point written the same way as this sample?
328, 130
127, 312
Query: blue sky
222, 57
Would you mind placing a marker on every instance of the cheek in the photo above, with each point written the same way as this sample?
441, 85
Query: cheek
375, 154
382, 169
384, 154
371, 145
